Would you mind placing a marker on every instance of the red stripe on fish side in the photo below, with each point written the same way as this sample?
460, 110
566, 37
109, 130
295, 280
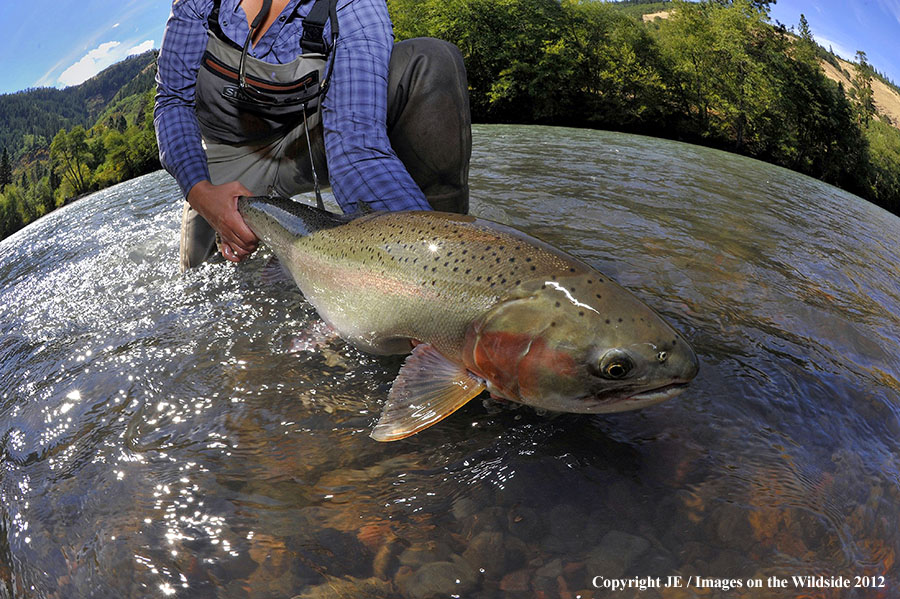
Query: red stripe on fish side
495, 356
516, 364
543, 368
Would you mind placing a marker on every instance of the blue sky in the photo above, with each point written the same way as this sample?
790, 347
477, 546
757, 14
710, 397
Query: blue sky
872, 26
63, 42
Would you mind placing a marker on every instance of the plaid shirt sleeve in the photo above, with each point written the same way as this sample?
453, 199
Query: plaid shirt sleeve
177, 130
361, 163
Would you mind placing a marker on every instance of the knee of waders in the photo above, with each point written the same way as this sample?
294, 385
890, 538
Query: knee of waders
426, 62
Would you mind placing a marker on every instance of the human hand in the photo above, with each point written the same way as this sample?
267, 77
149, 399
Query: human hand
218, 205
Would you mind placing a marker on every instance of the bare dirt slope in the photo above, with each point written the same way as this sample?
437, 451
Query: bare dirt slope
887, 100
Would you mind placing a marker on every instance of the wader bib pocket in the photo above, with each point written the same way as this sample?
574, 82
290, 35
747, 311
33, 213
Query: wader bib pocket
272, 98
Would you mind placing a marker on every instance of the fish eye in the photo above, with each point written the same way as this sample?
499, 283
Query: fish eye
615, 365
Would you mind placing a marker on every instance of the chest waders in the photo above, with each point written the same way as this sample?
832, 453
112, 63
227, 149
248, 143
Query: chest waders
257, 101
260, 122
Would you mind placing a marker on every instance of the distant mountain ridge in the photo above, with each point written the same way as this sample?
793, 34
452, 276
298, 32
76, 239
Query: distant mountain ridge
42, 112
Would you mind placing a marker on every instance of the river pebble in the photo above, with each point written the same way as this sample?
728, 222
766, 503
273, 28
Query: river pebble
616, 553
486, 553
440, 579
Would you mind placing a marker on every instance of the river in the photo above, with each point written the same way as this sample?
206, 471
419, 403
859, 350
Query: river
160, 437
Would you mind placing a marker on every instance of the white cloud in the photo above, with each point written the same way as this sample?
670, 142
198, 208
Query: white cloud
98, 59
141, 48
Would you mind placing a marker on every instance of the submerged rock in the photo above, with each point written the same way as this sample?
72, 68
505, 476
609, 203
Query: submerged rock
440, 579
487, 554
616, 553
370, 588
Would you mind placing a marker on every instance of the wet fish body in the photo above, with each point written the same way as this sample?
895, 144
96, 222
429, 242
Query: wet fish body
485, 307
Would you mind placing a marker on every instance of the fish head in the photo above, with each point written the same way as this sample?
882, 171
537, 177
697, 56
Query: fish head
579, 344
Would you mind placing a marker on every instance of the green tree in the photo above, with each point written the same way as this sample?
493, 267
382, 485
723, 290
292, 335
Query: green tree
71, 154
719, 52
5, 169
862, 85
806, 47
10, 221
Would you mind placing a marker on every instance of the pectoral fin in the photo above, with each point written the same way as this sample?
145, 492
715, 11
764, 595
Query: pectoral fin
428, 388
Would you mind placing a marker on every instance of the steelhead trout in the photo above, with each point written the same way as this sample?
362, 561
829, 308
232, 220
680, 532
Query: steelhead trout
481, 306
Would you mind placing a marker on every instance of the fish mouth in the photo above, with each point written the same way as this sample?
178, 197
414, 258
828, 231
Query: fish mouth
656, 395
624, 401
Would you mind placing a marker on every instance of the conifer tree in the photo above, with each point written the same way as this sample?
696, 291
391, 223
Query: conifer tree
5, 169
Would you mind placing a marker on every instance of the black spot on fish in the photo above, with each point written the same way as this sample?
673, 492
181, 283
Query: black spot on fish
558, 304
607, 321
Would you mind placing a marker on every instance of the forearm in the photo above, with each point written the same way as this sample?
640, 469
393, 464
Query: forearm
361, 163
180, 145
177, 130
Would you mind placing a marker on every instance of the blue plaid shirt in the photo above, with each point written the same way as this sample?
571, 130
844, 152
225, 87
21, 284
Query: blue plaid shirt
361, 163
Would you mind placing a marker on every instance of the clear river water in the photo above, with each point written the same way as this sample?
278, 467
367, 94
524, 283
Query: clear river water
161, 437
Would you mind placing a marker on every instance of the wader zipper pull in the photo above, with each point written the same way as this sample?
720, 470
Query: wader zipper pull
312, 163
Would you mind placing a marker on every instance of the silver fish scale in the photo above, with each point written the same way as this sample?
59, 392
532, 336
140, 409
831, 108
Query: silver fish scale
386, 278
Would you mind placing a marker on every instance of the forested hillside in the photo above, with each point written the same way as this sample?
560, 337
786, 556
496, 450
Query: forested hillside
59, 144
42, 112
716, 72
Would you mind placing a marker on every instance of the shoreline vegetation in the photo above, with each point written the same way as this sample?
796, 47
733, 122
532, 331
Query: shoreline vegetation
715, 72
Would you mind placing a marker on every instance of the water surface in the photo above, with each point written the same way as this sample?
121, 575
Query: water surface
160, 437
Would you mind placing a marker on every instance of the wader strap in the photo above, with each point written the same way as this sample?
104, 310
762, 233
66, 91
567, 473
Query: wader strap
314, 26
312, 41
213, 23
